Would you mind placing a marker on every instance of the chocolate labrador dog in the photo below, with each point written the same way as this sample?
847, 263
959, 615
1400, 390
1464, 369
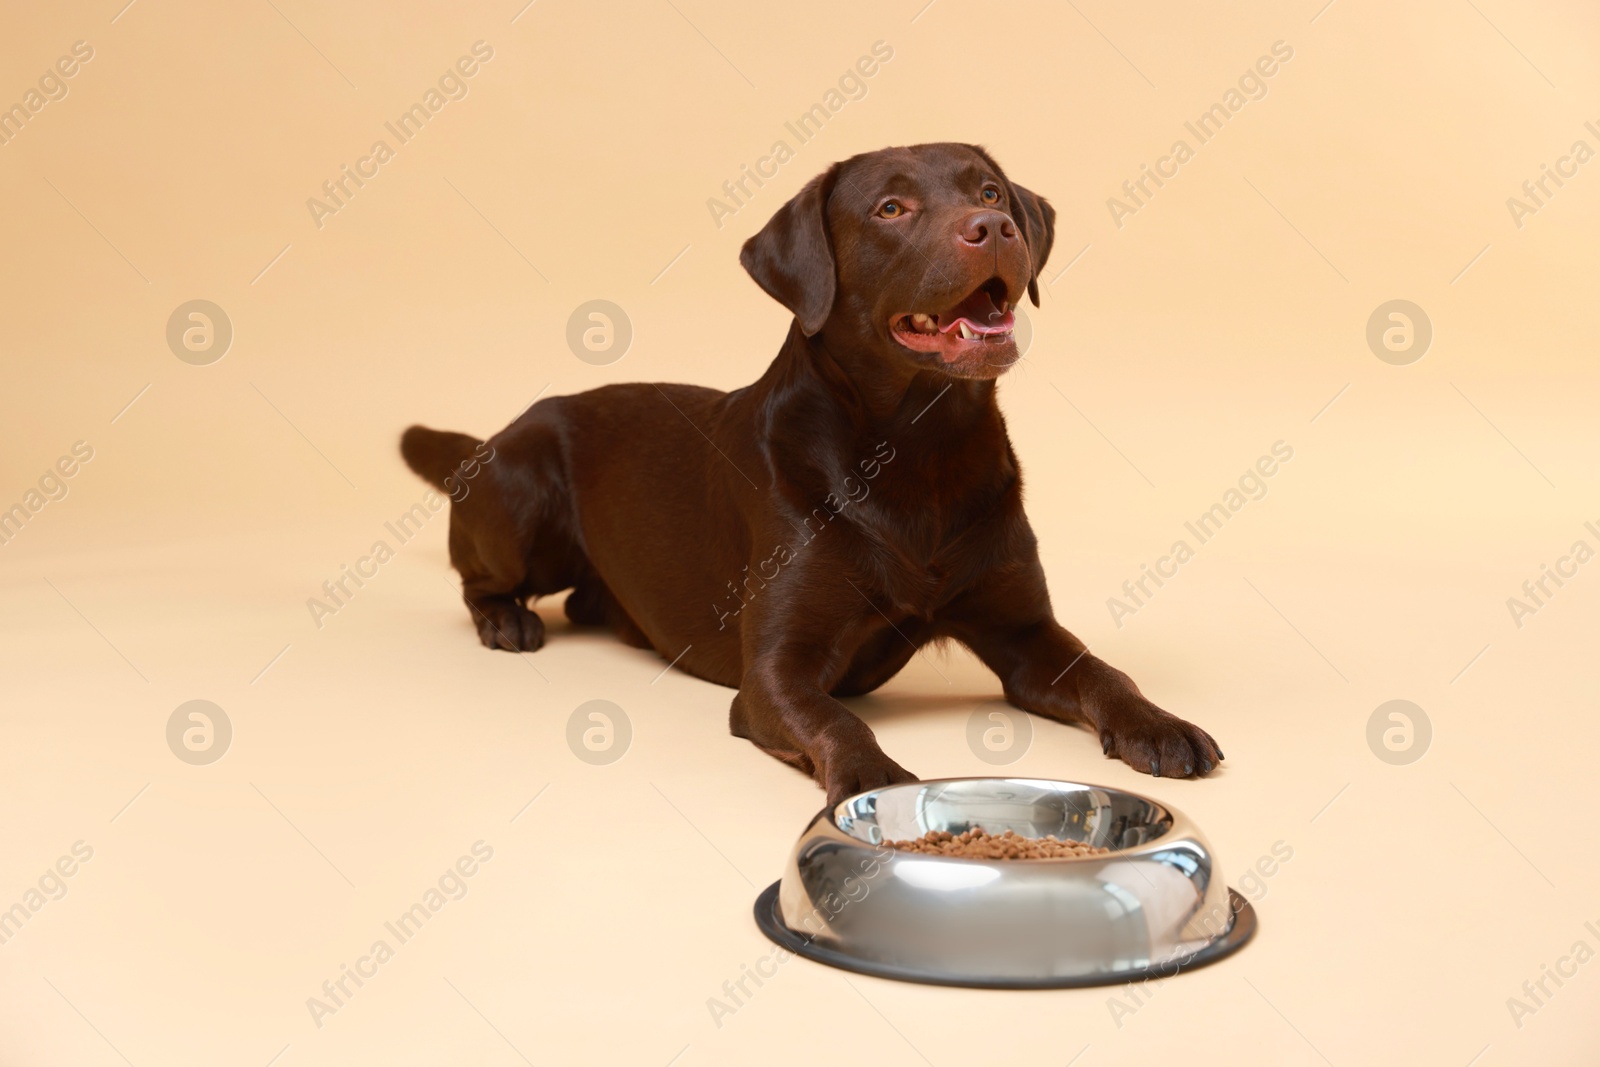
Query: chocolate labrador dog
801, 538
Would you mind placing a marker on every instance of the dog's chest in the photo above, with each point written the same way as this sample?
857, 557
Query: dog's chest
927, 556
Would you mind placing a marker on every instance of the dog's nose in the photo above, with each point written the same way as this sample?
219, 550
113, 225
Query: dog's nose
981, 227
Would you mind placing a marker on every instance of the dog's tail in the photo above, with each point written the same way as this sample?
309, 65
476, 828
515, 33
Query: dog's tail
435, 454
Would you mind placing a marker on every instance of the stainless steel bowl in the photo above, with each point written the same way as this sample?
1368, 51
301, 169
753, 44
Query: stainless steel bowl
1156, 904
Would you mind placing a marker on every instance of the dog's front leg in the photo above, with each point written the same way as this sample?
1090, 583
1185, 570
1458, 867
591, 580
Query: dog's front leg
1047, 671
782, 707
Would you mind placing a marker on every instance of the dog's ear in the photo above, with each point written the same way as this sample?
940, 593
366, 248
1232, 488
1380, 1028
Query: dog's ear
1037, 220
1034, 217
792, 257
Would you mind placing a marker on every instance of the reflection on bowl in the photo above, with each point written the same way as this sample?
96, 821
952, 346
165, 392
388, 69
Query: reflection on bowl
1154, 905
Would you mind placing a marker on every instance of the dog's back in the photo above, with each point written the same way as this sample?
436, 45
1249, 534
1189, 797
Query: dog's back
621, 487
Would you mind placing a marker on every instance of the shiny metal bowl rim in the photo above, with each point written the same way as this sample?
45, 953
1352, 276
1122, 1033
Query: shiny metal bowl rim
769, 918
1176, 820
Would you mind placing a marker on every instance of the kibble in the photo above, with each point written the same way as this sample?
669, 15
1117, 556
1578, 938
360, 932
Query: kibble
978, 844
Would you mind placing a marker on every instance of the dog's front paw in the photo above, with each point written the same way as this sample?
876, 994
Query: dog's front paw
856, 772
508, 625
1155, 742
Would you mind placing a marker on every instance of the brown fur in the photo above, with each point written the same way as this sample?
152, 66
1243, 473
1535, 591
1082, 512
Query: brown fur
800, 538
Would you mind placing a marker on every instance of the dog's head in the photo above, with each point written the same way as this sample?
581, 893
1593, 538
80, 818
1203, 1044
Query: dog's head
918, 254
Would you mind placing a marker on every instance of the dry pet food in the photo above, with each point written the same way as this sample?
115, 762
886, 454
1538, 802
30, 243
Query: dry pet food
979, 844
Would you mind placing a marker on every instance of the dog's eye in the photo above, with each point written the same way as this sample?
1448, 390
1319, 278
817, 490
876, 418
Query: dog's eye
990, 195
891, 209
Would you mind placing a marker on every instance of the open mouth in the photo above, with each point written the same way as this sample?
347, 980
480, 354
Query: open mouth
960, 333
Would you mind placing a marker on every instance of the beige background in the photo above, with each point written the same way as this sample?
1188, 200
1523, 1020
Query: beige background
1227, 314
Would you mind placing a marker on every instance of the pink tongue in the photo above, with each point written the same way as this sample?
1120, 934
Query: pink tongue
977, 309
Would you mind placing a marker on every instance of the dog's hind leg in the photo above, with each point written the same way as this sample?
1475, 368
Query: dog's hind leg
496, 593
511, 528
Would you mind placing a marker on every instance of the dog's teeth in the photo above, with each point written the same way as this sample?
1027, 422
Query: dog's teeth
922, 322
966, 331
